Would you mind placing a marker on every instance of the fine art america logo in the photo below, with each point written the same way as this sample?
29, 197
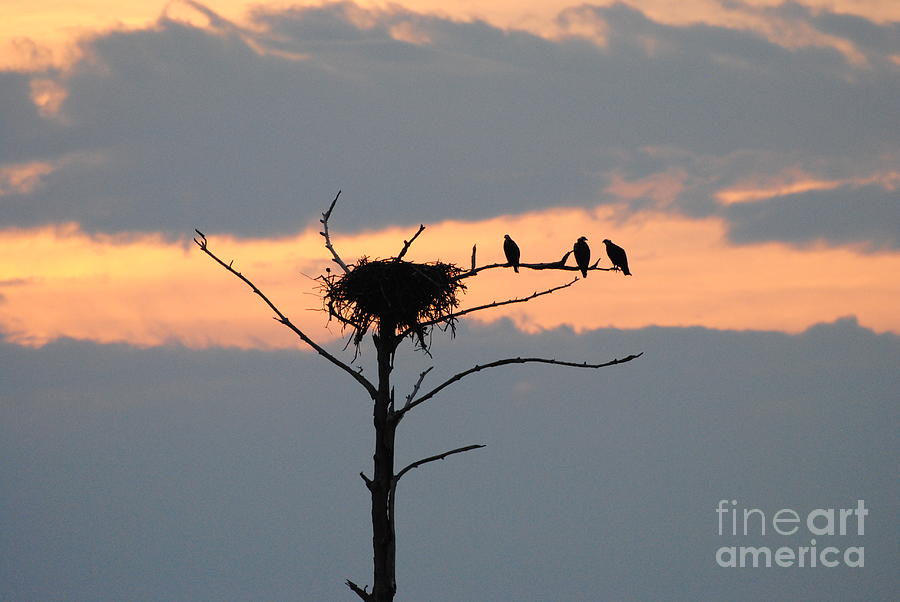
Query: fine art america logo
830, 525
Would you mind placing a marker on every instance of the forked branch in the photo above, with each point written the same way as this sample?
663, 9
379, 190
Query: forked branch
407, 243
513, 360
337, 258
417, 386
283, 319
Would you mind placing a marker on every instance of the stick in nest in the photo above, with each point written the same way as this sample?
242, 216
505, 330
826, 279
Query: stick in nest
387, 291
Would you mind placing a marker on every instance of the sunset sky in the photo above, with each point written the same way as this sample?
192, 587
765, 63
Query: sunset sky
745, 154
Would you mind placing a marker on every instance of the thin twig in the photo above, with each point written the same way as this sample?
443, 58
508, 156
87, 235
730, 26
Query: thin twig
283, 319
324, 220
473, 258
454, 316
342, 319
418, 384
407, 243
512, 360
334, 314
418, 463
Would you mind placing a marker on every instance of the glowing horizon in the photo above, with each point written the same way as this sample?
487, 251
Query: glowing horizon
144, 290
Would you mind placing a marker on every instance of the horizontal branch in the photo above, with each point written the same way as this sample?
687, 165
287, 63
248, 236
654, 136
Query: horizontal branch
337, 258
552, 265
418, 463
513, 360
283, 319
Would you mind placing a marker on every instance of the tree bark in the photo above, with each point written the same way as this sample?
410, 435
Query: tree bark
383, 536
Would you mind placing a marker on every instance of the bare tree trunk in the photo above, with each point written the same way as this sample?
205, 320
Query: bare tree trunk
383, 543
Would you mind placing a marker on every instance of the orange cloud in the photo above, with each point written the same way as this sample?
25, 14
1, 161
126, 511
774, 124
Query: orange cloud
35, 33
23, 178
663, 188
146, 290
795, 181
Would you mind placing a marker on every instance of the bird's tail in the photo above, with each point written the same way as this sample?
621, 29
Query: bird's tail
584, 272
516, 269
626, 272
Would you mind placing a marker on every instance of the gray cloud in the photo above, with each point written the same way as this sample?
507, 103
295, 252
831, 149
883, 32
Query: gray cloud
176, 474
877, 41
24, 135
188, 127
821, 215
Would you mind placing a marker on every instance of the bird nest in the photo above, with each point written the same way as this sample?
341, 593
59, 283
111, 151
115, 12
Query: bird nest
410, 296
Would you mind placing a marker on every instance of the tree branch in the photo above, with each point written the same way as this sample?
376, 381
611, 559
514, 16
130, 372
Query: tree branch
512, 360
552, 265
418, 463
407, 243
369, 387
362, 593
456, 315
337, 258
333, 314
418, 384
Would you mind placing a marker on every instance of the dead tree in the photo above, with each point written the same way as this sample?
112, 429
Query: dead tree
395, 299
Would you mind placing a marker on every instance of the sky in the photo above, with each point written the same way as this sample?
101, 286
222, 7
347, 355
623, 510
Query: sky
166, 439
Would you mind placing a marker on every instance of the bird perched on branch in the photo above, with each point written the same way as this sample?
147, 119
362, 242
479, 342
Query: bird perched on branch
582, 255
617, 256
511, 250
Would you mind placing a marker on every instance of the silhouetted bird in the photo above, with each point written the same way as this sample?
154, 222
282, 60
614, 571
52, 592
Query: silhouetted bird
511, 250
617, 256
582, 255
